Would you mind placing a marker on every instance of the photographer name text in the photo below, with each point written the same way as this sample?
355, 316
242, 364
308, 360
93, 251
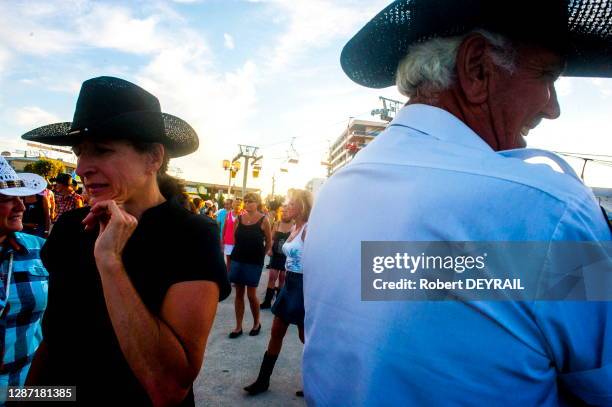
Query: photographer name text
437, 284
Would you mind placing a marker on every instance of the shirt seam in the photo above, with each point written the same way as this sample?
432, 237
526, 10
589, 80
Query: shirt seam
556, 198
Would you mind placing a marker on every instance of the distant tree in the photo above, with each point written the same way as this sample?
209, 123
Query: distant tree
45, 167
220, 200
274, 202
206, 197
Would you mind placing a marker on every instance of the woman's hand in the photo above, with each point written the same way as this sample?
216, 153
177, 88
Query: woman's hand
116, 227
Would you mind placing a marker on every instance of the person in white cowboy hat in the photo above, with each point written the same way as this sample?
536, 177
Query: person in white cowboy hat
451, 167
23, 279
132, 309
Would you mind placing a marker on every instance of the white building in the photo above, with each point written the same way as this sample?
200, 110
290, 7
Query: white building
355, 137
604, 197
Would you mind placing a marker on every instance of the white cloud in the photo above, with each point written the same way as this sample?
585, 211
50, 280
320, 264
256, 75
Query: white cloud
33, 116
216, 104
564, 86
40, 27
604, 86
69, 25
314, 23
38, 40
5, 58
115, 28
228, 41
39, 9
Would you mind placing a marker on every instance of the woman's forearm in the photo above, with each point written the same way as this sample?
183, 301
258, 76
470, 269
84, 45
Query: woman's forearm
152, 350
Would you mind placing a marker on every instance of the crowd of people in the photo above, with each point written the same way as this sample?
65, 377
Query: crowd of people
62, 194
118, 286
147, 314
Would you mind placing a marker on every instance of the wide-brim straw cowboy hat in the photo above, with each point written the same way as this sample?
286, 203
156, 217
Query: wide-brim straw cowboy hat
22, 184
110, 108
579, 29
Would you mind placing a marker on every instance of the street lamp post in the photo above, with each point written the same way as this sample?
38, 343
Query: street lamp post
248, 153
232, 168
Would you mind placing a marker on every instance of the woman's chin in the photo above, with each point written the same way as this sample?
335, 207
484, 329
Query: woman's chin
95, 198
12, 227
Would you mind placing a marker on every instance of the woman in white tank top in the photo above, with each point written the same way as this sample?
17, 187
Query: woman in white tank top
289, 306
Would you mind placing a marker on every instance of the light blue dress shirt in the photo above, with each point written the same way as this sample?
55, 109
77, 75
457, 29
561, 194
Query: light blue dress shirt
429, 177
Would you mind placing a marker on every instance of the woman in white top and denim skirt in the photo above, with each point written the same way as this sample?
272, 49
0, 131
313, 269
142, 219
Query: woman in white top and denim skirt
289, 306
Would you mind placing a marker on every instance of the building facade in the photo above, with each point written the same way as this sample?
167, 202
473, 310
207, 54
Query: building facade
196, 189
356, 136
604, 197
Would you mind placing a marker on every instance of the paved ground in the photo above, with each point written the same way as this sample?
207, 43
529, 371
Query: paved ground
231, 364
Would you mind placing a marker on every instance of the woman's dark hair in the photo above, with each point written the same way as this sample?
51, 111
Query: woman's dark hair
169, 186
254, 197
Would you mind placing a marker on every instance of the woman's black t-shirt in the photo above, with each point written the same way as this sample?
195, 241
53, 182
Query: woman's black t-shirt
169, 245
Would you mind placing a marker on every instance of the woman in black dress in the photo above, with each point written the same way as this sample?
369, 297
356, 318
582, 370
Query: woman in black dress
135, 279
252, 242
280, 233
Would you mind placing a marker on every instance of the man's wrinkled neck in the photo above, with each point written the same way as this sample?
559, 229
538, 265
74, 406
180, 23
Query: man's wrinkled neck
476, 117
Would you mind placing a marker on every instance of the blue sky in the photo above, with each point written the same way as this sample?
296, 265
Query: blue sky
252, 72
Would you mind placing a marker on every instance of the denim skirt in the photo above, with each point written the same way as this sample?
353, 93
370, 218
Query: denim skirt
245, 273
289, 305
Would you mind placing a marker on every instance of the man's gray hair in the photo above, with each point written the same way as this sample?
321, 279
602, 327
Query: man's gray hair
429, 67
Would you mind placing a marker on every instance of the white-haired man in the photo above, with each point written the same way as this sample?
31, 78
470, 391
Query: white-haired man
476, 85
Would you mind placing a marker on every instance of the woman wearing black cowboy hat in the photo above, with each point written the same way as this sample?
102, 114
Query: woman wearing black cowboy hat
129, 315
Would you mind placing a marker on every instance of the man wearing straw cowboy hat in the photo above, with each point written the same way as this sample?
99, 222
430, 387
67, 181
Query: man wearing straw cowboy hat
23, 279
450, 167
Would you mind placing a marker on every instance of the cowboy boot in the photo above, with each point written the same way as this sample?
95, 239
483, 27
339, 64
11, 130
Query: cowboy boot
263, 379
267, 302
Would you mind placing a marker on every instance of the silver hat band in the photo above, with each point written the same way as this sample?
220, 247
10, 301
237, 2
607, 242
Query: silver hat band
11, 184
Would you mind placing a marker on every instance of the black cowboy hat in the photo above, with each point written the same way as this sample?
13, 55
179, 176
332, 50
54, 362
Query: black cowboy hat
109, 108
580, 29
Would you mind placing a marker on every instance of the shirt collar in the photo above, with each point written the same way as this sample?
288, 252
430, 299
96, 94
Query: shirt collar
13, 243
439, 124
160, 211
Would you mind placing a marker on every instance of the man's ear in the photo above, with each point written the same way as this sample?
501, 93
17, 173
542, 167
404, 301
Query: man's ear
156, 158
474, 68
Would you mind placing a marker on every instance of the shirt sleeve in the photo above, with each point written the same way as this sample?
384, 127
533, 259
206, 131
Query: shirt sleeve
579, 333
201, 257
